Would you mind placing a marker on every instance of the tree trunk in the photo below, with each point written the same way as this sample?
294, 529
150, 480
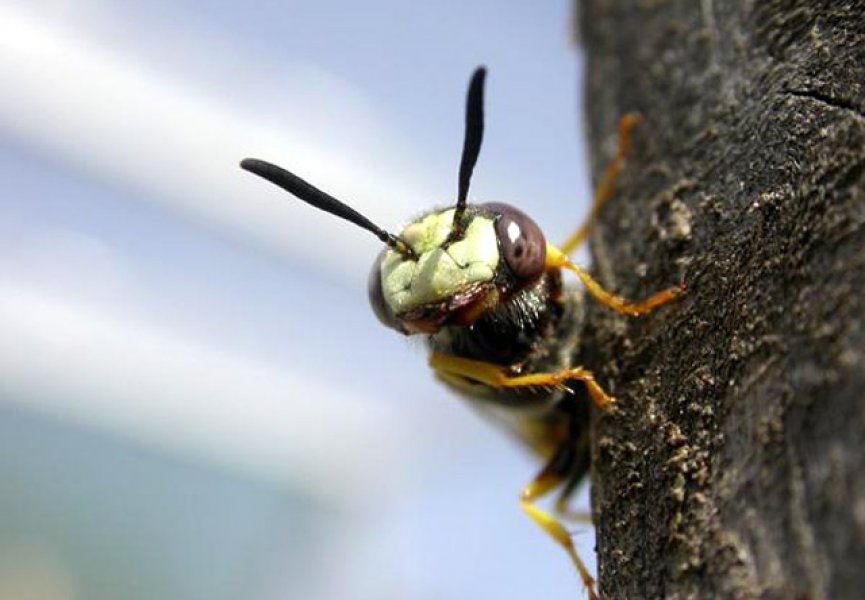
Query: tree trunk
734, 466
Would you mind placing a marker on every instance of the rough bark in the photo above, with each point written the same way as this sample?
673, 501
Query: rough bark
734, 466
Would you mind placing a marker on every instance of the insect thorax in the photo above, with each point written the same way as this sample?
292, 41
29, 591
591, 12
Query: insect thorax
535, 330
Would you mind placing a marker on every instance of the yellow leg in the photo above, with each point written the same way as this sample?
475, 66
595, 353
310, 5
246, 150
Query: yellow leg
566, 513
557, 259
495, 376
608, 182
542, 484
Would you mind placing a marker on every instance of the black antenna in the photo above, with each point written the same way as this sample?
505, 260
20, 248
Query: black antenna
474, 135
322, 201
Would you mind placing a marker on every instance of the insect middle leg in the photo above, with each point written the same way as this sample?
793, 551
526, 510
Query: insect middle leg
551, 477
607, 185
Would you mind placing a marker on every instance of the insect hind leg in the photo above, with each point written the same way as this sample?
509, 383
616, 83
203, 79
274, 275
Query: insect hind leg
551, 477
581, 459
607, 185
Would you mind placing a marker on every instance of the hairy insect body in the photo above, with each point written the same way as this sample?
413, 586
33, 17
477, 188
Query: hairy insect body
536, 331
515, 333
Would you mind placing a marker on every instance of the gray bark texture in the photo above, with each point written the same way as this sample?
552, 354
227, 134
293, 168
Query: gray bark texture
734, 464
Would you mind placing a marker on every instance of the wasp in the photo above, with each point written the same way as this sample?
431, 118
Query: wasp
484, 287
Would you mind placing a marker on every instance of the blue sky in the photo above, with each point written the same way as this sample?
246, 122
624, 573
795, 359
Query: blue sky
151, 292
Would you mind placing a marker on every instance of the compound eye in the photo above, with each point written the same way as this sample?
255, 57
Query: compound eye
523, 245
376, 296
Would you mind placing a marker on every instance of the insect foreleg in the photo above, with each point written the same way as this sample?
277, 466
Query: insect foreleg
557, 259
496, 376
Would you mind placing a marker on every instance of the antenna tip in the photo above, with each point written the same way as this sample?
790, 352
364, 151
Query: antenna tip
249, 164
262, 168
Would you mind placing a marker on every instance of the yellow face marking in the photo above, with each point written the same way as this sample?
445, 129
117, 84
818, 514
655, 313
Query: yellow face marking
438, 274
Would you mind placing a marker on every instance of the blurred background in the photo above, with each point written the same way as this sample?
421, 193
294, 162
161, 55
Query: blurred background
196, 401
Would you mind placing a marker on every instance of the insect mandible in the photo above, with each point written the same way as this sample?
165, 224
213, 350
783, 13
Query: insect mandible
484, 287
